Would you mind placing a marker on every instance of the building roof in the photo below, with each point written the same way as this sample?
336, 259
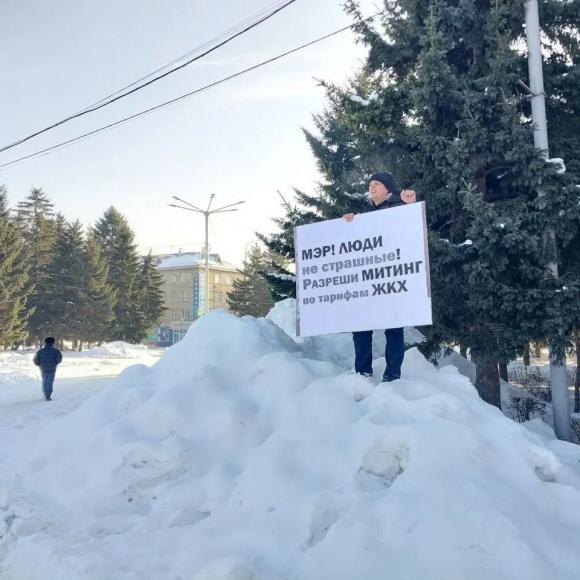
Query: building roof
192, 260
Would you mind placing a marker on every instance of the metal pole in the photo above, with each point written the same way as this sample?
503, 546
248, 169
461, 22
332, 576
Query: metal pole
536, 76
206, 215
226, 208
558, 373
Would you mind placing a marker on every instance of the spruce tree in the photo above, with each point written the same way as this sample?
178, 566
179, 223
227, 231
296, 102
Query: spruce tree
14, 281
35, 218
150, 293
281, 247
251, 295
334, 149
116, 240
560, 23
55, 286
100, 297
67, 275
439, 103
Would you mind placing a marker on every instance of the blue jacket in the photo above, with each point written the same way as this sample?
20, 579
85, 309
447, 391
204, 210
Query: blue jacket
47, 358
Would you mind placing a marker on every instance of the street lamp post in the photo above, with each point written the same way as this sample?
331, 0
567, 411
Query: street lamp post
558, 374
206, 213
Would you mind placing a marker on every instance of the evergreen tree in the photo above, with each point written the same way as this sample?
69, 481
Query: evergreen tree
438, 103
281, 247
100, 297
150, 293
343, 186
251, 295
35, 218
64, 314
54, 285
560, 23
76, 273
14, 284
116, 240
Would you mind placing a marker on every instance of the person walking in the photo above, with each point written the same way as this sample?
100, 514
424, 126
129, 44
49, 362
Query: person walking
383, 194
47, 359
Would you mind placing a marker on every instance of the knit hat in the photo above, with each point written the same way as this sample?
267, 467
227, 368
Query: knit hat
387, 179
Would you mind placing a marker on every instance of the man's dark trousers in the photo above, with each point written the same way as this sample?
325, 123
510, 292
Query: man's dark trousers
47, 382
394, 352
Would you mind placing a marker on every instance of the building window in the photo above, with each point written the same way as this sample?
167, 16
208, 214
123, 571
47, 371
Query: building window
230, 280
174, 277
185, 315
216, 278
185, 296
218, 296
184, 276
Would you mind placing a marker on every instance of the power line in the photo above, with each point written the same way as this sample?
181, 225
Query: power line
231, 30
185, 96
116, 96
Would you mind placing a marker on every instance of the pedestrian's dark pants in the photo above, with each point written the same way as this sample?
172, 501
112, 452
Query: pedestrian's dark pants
47, 382
394, 352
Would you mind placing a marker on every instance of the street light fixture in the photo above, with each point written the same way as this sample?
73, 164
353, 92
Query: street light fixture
206, 213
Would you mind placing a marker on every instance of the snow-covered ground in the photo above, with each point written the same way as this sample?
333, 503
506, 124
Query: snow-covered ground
108, 359
78, 377
245, 454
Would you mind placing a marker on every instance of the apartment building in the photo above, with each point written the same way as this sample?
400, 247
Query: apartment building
184, 291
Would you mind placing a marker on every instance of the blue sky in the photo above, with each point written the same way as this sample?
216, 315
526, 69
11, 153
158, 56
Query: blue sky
241, 140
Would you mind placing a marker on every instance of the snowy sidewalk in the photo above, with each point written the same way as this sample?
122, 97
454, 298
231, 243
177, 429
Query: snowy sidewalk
22, 404
80, 376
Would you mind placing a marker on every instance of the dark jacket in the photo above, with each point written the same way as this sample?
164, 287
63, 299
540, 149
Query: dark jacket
47, 358
393, 200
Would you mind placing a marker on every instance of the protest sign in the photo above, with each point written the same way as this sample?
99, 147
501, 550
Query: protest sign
372, 273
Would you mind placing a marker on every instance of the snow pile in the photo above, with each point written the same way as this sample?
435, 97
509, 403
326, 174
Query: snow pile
239, 457
117, 349
509, 391
16, 367
337, 348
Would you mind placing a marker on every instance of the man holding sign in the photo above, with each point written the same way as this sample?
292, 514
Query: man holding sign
366, 272
383, 194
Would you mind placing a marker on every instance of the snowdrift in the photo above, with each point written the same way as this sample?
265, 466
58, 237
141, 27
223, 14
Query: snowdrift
16, 367
239, 456
117, 349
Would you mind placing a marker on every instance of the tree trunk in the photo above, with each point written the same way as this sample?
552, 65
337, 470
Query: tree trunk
577, 381
537, 350
527, 354
463, 351
503, 371
487, 379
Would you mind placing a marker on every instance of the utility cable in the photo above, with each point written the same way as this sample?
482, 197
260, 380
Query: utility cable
182, 97
107, 101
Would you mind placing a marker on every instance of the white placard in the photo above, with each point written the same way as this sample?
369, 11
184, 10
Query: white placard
372, 273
